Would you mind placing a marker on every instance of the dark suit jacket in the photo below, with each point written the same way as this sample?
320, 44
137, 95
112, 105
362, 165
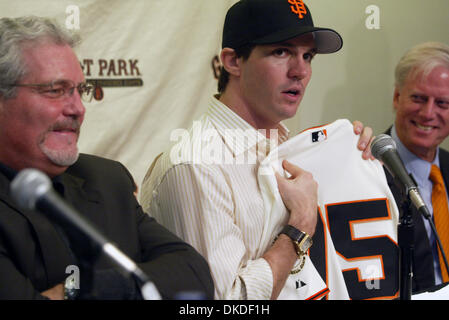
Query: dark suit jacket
423, 270
34, 256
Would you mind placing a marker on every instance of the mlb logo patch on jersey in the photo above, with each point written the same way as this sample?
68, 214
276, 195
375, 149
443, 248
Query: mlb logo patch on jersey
319, 136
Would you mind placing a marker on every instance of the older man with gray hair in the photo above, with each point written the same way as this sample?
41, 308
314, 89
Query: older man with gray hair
41, 91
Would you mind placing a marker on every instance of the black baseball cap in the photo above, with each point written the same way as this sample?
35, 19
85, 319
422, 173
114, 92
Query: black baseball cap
253, 22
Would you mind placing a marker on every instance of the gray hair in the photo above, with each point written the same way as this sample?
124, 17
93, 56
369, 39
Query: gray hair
15, 34
421, 60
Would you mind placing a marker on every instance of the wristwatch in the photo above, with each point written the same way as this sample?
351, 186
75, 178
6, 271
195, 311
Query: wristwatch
71, 291
301, 240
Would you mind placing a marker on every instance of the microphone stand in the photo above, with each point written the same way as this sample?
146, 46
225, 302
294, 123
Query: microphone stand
406, 230
406, 243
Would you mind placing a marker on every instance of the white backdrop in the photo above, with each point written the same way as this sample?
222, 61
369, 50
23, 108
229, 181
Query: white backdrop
159, 55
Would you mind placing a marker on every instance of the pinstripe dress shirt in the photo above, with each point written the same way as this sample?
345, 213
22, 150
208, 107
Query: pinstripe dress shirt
204, 188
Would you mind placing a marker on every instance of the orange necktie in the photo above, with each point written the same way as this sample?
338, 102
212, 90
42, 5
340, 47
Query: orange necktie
440, 215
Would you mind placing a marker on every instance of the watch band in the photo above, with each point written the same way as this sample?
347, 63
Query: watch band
301, 240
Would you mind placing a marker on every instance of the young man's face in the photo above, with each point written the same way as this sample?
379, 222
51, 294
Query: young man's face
274, 78
37, 130
422, 112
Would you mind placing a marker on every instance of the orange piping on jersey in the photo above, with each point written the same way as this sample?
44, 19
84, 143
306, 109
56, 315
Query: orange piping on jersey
319, 294
325, 245
317, 127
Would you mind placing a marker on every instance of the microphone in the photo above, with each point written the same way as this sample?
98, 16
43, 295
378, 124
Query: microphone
384, 149
32, 190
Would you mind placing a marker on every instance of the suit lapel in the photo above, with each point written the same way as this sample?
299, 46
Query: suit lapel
54, 252
85, 199
51, 248
89, 203
444, 166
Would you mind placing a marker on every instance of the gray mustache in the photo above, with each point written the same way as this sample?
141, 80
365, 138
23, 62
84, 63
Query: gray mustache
73, 124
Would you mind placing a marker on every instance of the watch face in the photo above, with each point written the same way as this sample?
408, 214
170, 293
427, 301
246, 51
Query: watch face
301, 239
306, 244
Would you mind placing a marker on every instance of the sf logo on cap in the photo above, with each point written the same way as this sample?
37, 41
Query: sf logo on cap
298, 7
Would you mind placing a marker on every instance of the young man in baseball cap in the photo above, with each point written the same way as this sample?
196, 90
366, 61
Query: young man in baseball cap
216, 204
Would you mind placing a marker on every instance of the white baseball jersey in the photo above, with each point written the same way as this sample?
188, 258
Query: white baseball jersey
355, 244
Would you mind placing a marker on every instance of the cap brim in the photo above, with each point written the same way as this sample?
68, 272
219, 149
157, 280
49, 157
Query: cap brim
326, 40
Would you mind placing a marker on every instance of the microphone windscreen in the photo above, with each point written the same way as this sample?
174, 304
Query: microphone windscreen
28, 186
381, 144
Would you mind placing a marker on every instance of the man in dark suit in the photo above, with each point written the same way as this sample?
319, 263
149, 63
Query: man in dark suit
41, 87
421, 103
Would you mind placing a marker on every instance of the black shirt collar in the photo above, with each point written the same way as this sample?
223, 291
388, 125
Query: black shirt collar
10, 173
7, 171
